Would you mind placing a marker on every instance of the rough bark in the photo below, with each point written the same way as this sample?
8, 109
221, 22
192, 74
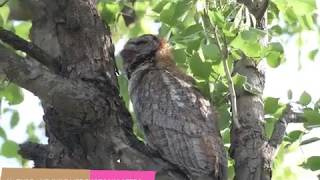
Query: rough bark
252, 151
249, 145
248, 142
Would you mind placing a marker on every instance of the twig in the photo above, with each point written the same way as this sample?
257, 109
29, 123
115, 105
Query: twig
4, 3
29, 48
289, 116
232, 92
223, 49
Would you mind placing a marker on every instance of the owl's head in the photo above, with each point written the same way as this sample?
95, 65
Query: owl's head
138, 51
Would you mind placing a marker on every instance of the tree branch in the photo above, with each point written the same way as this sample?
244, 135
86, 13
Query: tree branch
75, 100
48, 86
29, 48
289, 116
4, 3
36, 152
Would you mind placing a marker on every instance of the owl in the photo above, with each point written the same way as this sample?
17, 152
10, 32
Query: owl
176, 119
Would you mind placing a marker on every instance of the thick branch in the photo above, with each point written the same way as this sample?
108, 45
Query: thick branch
29, 48
247, 142
32, 76
36, 152
280, 127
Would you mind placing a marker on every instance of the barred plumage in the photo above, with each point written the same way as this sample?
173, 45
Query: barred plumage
176, 119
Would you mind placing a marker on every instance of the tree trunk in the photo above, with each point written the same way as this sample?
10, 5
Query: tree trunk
252, 151
248, 142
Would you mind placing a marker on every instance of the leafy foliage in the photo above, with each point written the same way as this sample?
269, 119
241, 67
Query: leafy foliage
9, 149
11, 93
312, 163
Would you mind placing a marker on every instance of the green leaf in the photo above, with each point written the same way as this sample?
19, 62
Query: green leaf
191, 37
306, 22
164, 31
309, 141
251, 49
12, 93
239, 80
14, 119
158, 7
217, 18
109, 12
9, 149
231, 168
302, 7
305, 98
1, 21
191, 30
236, 54
271, 105
123, 83
276, 30
211, 51
23, 29
312, 117
3, 133
275, 46
274, 59
179, 55
182, 8
290, 16
4, 13
226, 136
194, 44
248, 42
219, 93
224, 116
31, 133
313, 163
312, 54
204, 88
274, 54
269, 126
299, 7
166, 15
252, 34
200, 69
317, 105
294, 136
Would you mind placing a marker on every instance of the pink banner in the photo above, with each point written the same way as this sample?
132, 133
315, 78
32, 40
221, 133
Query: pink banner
121, 175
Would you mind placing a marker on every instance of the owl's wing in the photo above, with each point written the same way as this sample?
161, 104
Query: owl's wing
177, 121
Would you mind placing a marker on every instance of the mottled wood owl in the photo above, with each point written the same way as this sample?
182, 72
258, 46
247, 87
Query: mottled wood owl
176, 119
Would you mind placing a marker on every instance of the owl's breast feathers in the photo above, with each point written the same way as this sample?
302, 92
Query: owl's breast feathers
175, 117
177, 120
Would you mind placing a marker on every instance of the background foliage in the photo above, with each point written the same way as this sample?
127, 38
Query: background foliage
203, 34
